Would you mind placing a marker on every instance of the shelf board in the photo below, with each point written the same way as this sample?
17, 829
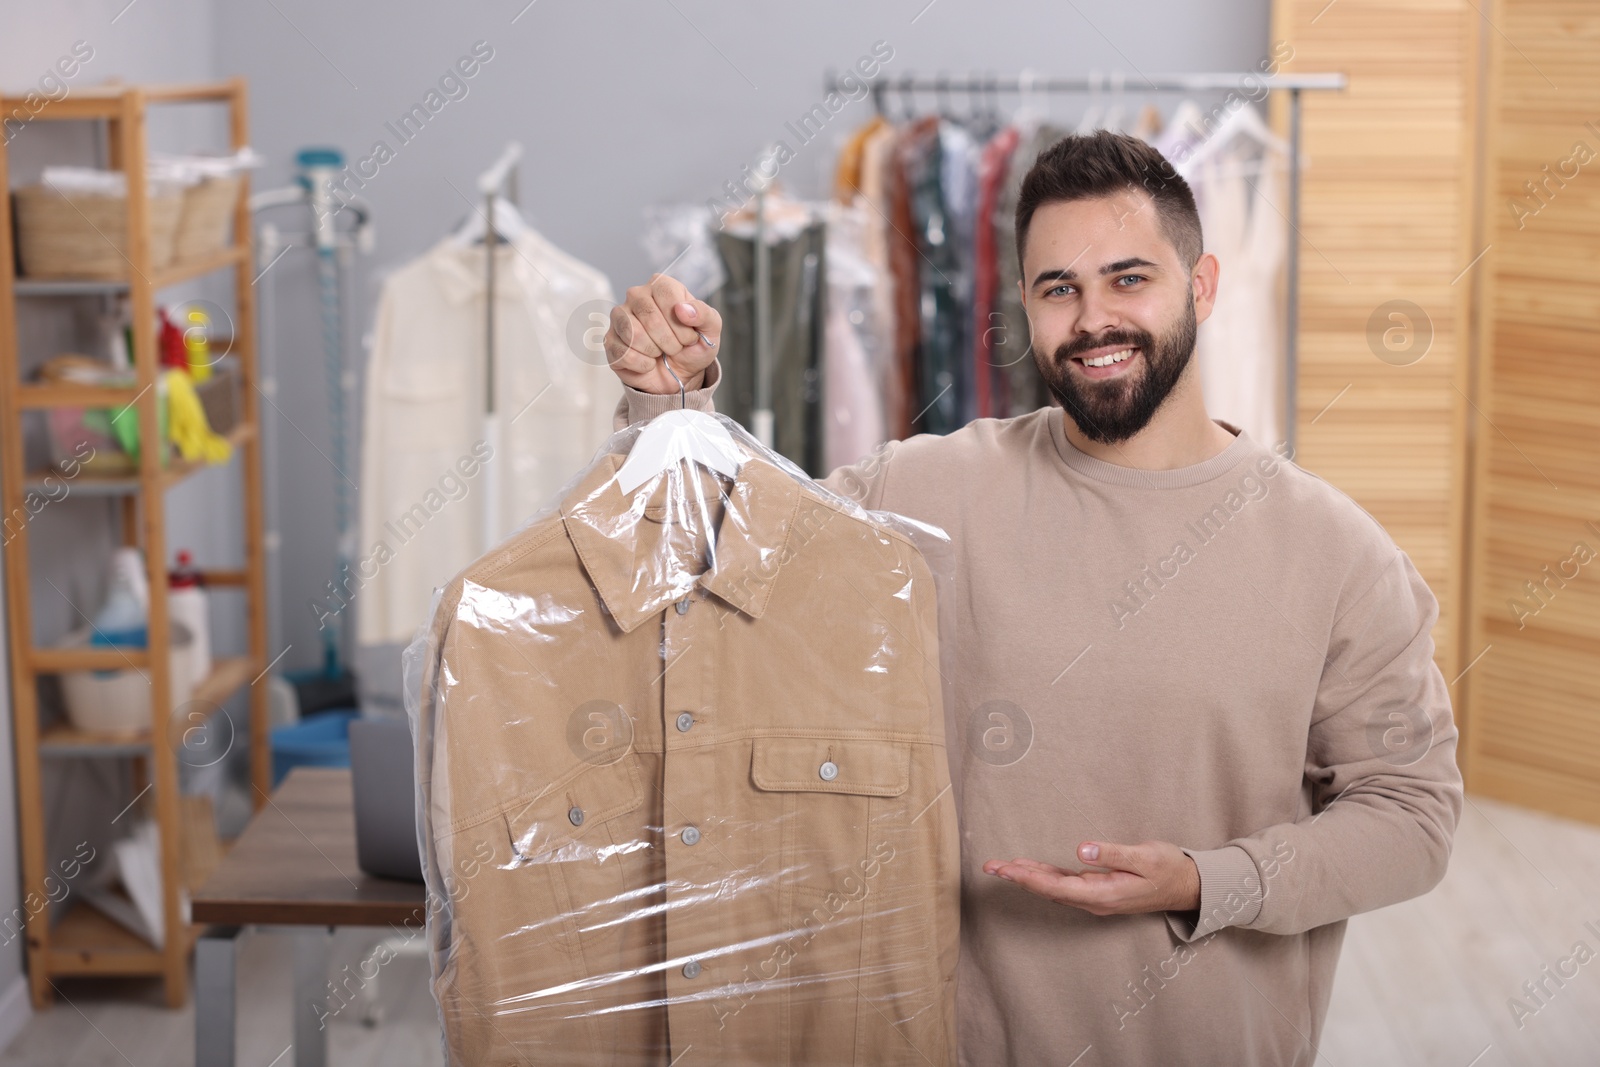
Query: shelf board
227, 677
86, 658
159, 279
44, 397
105, 101
62, 741
86, 942
68, 286
125, 484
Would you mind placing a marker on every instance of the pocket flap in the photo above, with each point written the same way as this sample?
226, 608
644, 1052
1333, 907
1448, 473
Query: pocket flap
555, 817
821, 765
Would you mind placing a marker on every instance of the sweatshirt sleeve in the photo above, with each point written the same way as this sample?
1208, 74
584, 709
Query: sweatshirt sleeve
1381, 766
637, 405
862, 481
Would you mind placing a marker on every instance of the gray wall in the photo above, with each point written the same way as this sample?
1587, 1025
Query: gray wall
620, 105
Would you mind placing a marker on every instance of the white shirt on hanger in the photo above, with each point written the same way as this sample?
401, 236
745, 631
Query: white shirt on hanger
423, 440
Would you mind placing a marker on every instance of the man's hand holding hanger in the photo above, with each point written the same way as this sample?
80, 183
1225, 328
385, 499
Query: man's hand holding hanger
656, 320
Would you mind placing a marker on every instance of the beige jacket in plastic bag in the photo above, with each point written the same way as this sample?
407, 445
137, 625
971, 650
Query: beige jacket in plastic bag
684, 784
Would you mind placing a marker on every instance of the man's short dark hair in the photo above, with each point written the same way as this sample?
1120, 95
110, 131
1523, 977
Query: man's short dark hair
1087, 166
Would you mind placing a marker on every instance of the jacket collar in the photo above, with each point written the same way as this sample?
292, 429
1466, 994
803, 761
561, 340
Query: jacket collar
619, 544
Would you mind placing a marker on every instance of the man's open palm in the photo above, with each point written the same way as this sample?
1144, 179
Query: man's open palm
1134, 879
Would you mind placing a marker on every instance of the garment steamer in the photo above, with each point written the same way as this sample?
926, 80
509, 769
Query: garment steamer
332, 685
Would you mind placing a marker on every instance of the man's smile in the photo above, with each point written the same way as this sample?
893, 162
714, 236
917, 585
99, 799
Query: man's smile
1108, 361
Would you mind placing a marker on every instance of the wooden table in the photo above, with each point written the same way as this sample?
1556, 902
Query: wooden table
294, 866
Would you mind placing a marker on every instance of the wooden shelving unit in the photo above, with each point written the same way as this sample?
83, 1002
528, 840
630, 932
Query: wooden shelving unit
83, 942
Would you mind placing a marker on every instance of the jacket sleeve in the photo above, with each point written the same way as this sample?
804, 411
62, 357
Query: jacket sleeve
862, 481
1381, 766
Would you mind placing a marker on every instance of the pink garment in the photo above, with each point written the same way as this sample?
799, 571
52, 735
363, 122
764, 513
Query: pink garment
853, 419
991, 176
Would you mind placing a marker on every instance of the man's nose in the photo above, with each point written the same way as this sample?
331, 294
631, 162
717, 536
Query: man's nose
1095, 314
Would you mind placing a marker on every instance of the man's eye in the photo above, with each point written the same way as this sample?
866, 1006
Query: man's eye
1060, 290
1130, 278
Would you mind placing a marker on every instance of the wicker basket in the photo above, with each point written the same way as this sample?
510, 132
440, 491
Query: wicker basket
206, 218
219, 397
76, 235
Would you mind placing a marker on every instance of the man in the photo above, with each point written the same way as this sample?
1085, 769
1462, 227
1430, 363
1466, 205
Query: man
1197, 723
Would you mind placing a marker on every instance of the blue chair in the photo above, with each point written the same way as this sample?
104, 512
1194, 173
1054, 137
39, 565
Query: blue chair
320, 740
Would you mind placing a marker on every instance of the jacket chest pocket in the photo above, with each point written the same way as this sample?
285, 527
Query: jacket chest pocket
841, 801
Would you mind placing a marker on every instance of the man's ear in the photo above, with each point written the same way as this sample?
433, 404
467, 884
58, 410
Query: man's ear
1203, 280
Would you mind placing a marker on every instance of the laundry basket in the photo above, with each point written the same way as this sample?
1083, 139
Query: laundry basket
85, 235
206, 218
118, 701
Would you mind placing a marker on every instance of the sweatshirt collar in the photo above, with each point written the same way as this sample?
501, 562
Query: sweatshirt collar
618, 542
1137, 478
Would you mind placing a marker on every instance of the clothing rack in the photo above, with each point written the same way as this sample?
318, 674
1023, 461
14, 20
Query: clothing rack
502, 175
1119, 83
761, 418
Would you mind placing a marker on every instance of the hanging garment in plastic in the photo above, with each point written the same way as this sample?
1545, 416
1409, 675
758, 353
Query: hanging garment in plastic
426, 460
1240, 347
856, 348
682, 769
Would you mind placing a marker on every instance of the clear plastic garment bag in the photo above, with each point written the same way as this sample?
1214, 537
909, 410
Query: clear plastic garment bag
681, 764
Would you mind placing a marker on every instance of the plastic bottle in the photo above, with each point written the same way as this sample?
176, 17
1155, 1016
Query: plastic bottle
197, 344
189, 604
174, 353
124, 617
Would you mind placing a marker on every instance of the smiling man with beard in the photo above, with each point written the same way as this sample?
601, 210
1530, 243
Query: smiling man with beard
1168, 813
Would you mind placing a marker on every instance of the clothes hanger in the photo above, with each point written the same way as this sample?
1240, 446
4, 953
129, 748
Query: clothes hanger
1091, 114
1028, 116
509, 225
1241, 122
941, 98
678, 435
1114, 120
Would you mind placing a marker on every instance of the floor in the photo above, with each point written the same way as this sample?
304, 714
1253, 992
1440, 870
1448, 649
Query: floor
1428, 982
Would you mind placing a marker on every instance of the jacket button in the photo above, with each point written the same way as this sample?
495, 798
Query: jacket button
691, 969
829, 771
682, 606
575, 816
685, 721
690, 835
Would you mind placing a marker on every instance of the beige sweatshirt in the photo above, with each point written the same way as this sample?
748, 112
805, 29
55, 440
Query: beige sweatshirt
1231, 656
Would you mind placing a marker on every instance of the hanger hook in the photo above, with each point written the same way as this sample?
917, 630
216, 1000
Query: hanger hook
683, 397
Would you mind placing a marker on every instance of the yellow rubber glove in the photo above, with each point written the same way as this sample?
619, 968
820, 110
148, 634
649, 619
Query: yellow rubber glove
186, 422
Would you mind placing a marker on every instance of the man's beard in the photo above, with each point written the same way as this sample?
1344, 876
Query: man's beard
1114, 409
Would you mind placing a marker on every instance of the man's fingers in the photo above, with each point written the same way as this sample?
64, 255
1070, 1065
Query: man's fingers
1111, 856
627, 337
1054, 884
668, 294
661, 331
629, 333
1035, 865
700, 317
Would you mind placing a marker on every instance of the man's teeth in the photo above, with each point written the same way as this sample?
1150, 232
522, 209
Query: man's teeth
1108, 359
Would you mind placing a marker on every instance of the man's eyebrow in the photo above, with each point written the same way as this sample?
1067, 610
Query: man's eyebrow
1125, 264
1068, 275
